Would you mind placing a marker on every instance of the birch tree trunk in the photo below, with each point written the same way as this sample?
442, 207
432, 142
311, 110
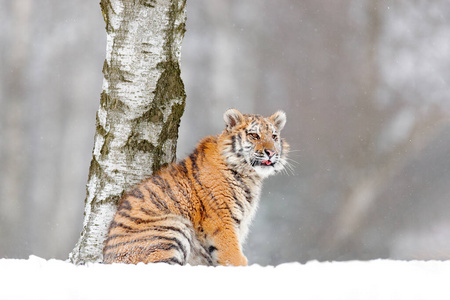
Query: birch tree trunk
141, 105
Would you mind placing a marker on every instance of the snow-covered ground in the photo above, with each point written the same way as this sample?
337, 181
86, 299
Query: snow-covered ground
37, 278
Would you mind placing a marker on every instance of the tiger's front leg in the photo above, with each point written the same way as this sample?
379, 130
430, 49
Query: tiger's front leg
225, 245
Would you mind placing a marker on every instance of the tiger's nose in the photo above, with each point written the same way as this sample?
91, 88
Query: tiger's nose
270, 153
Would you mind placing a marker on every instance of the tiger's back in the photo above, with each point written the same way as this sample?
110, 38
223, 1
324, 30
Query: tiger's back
198, 211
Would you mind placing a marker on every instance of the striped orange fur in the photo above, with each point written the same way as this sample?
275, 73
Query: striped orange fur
198, 211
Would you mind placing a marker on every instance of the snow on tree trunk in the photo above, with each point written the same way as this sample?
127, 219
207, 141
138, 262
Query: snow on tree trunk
141, 105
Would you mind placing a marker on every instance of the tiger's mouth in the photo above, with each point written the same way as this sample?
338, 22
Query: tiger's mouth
266, 163
265, 167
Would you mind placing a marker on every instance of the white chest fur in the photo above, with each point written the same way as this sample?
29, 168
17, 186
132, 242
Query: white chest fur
250, 208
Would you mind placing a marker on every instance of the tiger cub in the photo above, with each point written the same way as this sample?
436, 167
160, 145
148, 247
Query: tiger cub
198, 211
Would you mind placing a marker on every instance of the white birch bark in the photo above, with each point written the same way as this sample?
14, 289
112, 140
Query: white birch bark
141, 105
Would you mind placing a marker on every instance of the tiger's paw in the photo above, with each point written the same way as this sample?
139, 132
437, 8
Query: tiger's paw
238, 260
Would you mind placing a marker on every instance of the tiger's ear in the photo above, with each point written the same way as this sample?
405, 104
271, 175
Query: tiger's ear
278, 119
232, 117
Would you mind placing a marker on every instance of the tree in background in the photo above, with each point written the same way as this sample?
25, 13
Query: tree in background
141, 105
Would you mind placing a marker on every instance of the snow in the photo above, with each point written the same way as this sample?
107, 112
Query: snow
37, 278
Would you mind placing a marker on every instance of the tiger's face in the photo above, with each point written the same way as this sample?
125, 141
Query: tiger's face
255, 144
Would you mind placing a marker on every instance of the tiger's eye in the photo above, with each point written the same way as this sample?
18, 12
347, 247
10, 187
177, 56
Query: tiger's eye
275, 137
254, 135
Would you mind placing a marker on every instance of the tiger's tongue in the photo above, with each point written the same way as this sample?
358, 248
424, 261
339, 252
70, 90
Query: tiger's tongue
266, 162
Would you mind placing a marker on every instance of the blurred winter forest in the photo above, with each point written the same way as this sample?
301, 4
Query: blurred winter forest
366, 88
